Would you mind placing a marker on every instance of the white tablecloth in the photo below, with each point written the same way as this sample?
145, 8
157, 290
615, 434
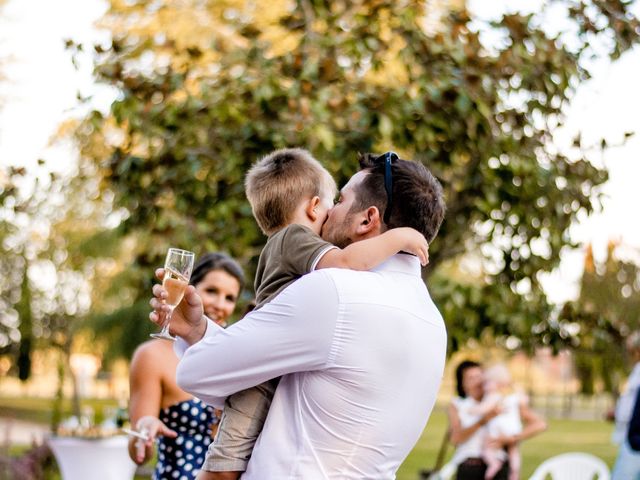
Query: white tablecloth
103, 459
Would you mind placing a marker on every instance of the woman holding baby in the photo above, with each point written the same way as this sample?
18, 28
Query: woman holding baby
488, 420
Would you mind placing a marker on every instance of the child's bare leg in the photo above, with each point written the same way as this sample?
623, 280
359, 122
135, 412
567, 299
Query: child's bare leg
514, 462
494, 464
204, 475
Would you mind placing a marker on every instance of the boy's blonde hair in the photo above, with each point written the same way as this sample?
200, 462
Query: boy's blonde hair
276, 184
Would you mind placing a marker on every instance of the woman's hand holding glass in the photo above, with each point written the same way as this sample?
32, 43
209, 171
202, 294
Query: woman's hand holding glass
177, 271
149, 427
187, 319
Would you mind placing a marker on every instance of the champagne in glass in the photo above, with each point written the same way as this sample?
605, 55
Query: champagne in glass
177, 271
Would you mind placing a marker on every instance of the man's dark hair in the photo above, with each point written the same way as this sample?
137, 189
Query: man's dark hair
464, 365
417, 200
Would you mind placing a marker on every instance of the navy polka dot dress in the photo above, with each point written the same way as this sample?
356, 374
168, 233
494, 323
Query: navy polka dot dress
181, 457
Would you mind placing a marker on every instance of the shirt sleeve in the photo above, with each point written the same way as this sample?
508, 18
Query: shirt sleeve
292, 333
180, 346
302, 249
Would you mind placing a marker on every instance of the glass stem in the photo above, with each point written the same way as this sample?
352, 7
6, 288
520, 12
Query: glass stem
165, 327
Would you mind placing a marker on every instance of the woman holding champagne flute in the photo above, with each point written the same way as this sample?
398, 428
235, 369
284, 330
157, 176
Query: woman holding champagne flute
158, 408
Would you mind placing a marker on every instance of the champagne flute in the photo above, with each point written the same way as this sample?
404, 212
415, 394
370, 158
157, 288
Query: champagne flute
177, 271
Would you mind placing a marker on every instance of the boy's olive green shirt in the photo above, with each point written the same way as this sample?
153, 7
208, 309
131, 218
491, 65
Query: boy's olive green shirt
289, 253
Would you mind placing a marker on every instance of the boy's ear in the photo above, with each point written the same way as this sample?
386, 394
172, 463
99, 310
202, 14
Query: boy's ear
312, 208
370, 221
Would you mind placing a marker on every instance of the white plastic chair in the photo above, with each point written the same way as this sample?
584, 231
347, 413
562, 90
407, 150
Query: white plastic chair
572, 466
447, 472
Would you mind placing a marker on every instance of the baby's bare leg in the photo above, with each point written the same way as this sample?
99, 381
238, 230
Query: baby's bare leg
491, 457
514, 462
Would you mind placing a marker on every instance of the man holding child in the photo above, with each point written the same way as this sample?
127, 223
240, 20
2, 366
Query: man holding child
360, 353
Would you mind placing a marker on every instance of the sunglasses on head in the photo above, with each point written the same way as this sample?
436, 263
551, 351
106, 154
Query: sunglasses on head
388, 158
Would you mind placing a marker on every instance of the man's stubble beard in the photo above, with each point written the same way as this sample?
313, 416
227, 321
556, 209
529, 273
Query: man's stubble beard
339, 235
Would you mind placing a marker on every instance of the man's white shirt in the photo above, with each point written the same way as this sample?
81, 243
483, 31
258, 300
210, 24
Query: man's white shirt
362, 356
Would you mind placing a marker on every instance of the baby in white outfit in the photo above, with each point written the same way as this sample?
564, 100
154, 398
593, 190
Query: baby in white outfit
499, 390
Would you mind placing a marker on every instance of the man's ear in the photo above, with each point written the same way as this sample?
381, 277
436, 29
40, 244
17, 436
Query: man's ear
370, 222
312, 208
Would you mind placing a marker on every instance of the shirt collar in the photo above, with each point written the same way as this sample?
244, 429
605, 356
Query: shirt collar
401, 263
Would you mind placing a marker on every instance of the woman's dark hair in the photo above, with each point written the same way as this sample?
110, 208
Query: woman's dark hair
464, 365
216, 261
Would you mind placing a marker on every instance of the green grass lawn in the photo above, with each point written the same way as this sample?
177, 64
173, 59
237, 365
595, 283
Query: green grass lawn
40, 409
562, 436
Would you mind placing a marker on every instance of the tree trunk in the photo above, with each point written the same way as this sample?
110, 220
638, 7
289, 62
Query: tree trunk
64, 365
56, 416
75, 395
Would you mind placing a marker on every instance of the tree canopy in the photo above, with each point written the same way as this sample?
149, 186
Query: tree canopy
603, 315
207, 87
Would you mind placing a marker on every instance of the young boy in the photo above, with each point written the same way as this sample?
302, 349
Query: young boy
291, 194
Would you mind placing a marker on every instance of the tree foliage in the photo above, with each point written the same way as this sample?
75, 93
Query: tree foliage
606, 312
207, 87
50, 268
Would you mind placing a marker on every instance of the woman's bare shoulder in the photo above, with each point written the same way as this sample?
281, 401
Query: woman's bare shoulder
153, 352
